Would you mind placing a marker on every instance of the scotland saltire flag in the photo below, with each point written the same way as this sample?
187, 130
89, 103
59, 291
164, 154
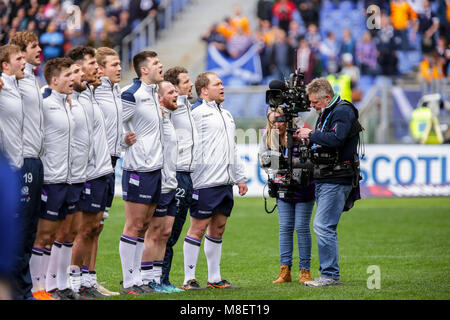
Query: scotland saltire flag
241, 71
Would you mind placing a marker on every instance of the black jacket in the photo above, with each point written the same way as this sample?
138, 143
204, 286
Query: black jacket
332, 130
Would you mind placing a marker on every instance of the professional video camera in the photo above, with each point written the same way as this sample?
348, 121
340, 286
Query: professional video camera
291, 96
286, 173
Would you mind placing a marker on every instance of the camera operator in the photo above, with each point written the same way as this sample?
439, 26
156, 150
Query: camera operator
336, 130
293, 212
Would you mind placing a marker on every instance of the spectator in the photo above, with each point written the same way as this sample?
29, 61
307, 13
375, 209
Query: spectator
366, 55
431, 73
385, 43
239, 43
264, 10
226, 29
52, 42
307, 61
402, 17
350, 69
329, 49
266, 33
238, 20
309, 10
4, 30
52, 9
218, 40
313, 37
348, 44
282, 60
427, 27
283, 12
98, 22
140, 9
295, 32
123, 27
444, 52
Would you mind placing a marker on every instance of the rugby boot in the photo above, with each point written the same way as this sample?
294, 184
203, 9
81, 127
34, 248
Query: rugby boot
223, 284
42, 295
192, 285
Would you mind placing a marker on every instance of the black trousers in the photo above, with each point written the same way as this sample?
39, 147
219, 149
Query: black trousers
183, 197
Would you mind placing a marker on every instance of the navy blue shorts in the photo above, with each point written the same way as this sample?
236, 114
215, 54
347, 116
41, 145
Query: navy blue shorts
167, 205
58, 200
141, 187
95, 194
74, 196
112, 183
209, 201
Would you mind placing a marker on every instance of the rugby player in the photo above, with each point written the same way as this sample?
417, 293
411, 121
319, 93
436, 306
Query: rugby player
142, 164
187, 140
33, 148
217, 170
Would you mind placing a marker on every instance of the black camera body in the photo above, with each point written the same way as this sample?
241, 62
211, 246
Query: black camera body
288, 173
290, 95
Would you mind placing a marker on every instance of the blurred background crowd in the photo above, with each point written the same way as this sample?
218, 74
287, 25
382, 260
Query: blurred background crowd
61, 24
360, 39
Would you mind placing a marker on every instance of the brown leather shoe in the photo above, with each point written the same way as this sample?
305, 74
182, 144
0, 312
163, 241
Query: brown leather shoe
305, 275
285, 275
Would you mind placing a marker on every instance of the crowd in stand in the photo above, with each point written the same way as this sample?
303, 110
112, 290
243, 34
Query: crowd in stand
61, 24
290, 35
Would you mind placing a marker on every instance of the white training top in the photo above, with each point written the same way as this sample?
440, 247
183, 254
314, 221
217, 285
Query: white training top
100, 159
107, 96
82, 136
217, 161
187, 136
170, 151
59, 128
142, 115
11, 122
33, 121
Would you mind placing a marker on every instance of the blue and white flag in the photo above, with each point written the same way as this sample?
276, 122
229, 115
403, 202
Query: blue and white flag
244, 70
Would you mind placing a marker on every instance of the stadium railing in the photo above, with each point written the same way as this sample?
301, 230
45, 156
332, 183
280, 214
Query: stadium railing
144, 34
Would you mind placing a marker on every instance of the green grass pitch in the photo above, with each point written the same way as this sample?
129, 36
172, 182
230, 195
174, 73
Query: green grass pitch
408, 239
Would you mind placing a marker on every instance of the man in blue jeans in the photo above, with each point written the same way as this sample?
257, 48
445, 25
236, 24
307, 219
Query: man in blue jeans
336, 133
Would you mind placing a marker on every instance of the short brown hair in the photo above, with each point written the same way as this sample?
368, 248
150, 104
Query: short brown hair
79, 52
172, 74
140, 58
321, 87
23, 38
202, 81
54, 66
6, 52
102, 53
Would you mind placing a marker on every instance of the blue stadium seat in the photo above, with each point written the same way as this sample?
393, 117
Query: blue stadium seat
346, 5
327, 5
